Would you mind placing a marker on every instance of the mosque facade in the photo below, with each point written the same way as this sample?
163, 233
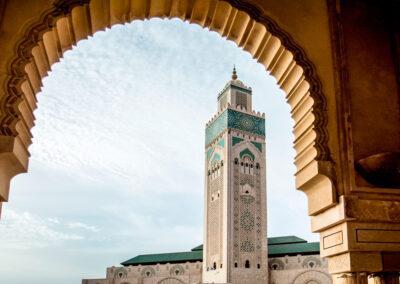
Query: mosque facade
236, 249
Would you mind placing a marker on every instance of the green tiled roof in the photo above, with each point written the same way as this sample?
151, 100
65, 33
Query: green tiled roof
277, 246
165, 258
200, 247
285, 240
293, 249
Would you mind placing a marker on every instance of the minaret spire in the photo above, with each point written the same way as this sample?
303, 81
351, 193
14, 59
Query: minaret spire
234, 76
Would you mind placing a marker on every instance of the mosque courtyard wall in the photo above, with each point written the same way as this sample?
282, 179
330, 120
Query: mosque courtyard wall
299, 269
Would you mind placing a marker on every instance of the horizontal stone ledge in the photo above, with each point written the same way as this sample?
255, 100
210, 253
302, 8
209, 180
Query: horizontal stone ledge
364, 262
352, 236
352, 208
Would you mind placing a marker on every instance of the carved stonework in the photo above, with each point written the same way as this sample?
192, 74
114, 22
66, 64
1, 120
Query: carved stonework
319, 107
33, 34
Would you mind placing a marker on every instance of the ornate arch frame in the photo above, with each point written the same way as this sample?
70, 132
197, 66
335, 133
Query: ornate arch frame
60, 27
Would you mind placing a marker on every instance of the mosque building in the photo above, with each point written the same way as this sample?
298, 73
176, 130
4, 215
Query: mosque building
236, 249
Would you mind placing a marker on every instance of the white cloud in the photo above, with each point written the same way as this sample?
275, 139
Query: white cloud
79, 225
24, 230
53, 220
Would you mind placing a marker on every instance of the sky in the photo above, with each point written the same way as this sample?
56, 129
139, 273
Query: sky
117, 159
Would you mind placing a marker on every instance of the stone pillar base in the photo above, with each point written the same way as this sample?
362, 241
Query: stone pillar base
384, 278
350, 278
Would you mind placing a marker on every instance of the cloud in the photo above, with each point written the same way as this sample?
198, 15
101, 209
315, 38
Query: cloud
53, 220
24, 230
79, 225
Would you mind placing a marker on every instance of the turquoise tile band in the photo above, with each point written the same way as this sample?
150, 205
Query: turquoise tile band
235, 120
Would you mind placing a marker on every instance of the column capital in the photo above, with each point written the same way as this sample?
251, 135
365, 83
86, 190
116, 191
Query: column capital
13, 160
350, 278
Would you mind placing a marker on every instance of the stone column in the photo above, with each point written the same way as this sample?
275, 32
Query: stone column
13, 160
350, 278
361, 235
384, 278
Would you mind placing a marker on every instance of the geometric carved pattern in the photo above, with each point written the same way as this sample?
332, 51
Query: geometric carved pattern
247, 221
148, 272
247, 214
311, 262
247, 246
276, 264
247, 199
241, 99
247, 179
120, 273
177, 270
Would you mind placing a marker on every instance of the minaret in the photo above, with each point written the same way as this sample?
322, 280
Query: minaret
235, 233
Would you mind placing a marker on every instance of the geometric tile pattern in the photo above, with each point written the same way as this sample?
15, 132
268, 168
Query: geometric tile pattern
235, 120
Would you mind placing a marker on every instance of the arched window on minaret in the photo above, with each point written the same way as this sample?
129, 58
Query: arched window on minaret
247, 264
246, 165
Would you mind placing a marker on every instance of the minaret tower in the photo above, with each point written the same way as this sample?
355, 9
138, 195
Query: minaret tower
235, 233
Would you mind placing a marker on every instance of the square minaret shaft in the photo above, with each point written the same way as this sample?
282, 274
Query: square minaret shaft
235, 235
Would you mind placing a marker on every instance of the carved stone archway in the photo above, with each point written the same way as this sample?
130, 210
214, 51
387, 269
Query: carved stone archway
358, 229
312, 276
67, 22
170, 280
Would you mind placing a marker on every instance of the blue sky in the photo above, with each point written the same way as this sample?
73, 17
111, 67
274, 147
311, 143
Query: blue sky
118, 150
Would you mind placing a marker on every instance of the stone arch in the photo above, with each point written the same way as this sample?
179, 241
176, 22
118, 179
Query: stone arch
170, 280
44, 41
312, 276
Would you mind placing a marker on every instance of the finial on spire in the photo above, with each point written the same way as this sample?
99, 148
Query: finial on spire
234, 76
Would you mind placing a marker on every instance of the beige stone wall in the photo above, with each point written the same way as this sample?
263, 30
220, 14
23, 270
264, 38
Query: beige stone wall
152, 274
299, 269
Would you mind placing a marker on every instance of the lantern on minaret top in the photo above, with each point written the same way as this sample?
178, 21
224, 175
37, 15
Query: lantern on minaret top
235, 93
